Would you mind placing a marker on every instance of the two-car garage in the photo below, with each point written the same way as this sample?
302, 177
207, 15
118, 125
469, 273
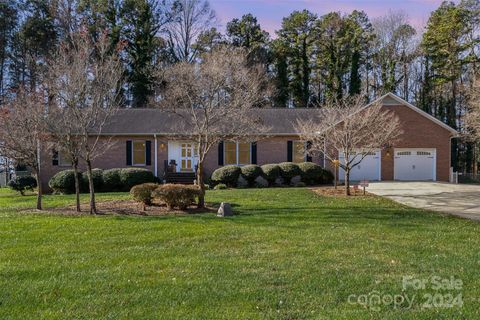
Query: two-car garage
409, 164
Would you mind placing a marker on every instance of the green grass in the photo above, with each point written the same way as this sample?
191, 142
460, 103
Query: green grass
289, 254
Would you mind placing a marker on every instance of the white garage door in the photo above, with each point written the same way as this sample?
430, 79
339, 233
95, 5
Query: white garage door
368, 169
414, 164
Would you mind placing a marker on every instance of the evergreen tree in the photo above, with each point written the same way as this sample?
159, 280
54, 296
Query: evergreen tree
297, 37
141, 21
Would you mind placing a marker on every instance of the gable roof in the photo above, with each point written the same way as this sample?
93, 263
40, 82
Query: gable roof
394, 97
280, 121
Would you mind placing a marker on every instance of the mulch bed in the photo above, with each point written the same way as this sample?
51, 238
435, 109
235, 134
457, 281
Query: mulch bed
339, 192
130, 207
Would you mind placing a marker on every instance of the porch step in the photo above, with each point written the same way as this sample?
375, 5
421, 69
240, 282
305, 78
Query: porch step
180, 177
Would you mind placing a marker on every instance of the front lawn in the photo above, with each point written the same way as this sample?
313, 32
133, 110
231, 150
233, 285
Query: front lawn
289, 254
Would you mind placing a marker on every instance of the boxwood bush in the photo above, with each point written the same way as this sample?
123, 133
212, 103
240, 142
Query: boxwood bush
130, 177
227, 175
251, 172
64, 182
288, 170
271, 172
97, 176
311, 173
111, 180
327, 177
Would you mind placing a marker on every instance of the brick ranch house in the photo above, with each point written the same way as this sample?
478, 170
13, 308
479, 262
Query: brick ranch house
147, 138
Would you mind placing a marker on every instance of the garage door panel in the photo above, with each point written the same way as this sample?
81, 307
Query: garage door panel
368, 169
414, 164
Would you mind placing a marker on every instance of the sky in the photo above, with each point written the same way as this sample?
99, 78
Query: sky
270, 12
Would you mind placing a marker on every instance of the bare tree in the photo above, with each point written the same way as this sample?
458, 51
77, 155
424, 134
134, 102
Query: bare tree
215, 99
351, 129
85, 77
189, 18
22, 133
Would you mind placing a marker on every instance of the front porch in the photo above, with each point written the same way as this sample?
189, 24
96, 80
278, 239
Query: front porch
181, 165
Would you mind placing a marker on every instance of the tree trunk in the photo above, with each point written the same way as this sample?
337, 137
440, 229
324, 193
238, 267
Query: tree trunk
39, 190
77, 185
93, 208
347, 182
201, 184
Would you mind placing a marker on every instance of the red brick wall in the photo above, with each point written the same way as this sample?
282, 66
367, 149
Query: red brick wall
270, 150
419, 132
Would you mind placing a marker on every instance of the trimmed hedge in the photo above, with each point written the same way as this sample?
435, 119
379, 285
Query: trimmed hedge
251, 172
308, 172
142, 193
327, 177
311, 173
63, 182
111, 180
177, 195
107, 181
227, 175
130, 177
288, 170
97, 176
271, 172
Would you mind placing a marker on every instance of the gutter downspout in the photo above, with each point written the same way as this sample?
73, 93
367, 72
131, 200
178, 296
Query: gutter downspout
156, 155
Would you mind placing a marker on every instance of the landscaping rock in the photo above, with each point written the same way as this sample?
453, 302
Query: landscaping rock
261, 182
225, 210
295, 180
279, 181
242, 182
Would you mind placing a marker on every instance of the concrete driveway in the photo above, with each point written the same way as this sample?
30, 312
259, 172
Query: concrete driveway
457, 199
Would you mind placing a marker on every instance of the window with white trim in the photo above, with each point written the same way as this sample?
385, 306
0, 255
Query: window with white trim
237, 153
139, 157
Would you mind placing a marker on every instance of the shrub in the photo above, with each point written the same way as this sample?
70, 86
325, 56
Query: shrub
97, 176
327, 177
251, 172
177, 195
142, 193
227, 175
289, 170
22, 184
130, 177
311, 173
271, 172
63, 182
111, 180
220, 186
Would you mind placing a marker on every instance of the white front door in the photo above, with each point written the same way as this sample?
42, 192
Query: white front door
415, 164
368, 169
187, 157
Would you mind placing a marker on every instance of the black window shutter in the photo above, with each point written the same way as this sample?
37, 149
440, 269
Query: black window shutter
254, 153
220, 153
309, 146
129, 153
55, 158
148, 153
289, 151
